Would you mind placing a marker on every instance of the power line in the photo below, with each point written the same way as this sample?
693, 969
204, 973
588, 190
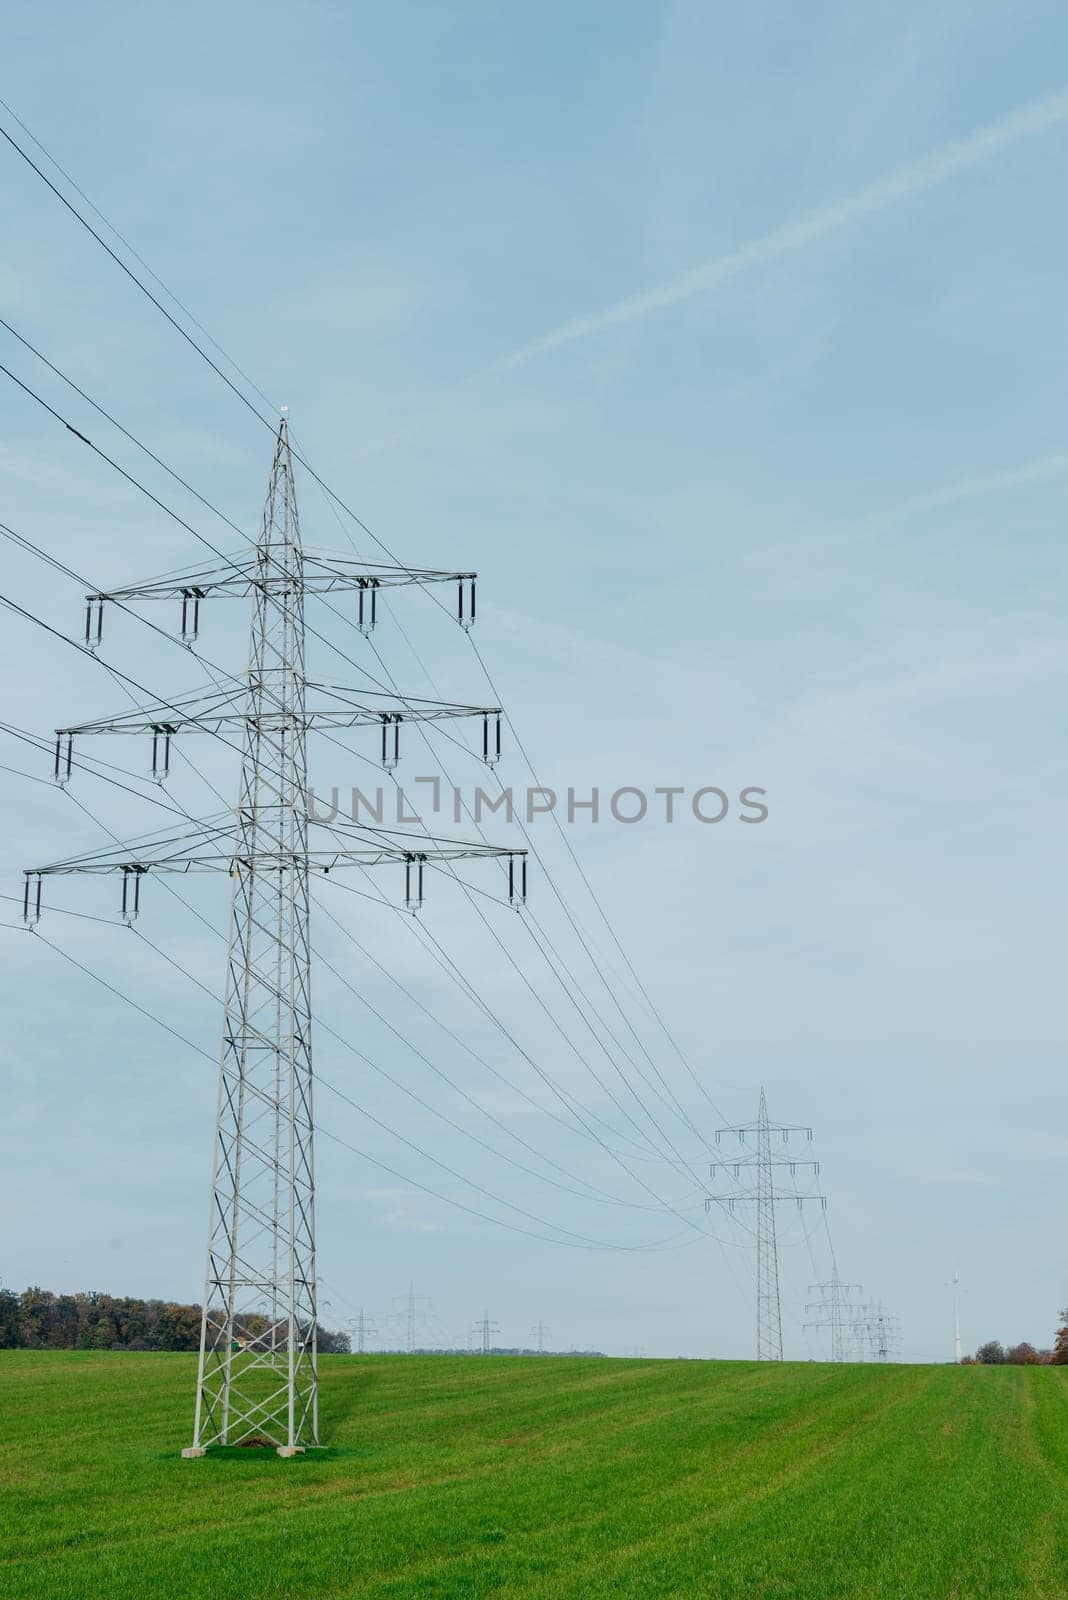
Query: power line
125, 681
326, 1133
764, 1195
128, 246
260, 1289
175, 324
333, 498
326, 488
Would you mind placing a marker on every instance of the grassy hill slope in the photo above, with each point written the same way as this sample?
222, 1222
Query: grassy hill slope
452, 1479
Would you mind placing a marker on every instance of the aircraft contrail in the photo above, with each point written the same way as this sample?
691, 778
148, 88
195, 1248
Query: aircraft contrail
945, 162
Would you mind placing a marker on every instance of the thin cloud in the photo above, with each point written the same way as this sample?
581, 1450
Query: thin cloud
1054, 466
850, 534
935, 168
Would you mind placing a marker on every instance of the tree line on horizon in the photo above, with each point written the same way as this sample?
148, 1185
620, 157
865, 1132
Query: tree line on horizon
994, 1354
37, 1319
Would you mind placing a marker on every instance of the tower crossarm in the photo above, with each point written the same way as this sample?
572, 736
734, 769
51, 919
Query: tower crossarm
212, 711
212, 851
748, 1129
323, 572
210, 847
757, 1197
753, 1163
277, 577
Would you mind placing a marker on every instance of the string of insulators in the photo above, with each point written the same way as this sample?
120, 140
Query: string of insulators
64, 757
161, 750
131, 893
413, 881
189, 621
94, 621
31, 900
391, 746
491, 739
465, 603
517, 881
367, 605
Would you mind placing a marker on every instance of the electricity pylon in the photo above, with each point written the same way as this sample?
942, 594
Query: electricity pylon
763, 1196
363, 1329
257, 1372
540, 1333
834, 1299
484, 1330
411, 1303
875, 1331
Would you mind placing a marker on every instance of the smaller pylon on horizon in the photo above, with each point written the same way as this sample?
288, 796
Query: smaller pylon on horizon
483, 1330
539, 1333
875, 1331
362, 1329
833, 1301
416, 1310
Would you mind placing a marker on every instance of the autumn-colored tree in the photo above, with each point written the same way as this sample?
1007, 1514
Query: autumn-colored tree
1060, 1342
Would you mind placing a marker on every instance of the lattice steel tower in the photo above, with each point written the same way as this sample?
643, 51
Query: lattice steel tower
833, 1302
257, 1377
362, 1329
484, 1330
762, 1197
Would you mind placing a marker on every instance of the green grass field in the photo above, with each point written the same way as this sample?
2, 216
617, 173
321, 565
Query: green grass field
451, 1477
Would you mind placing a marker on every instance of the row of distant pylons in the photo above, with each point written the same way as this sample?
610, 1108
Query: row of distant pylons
763, 1174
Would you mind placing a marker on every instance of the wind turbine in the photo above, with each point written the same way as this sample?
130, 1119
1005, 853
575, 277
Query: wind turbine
954, 1284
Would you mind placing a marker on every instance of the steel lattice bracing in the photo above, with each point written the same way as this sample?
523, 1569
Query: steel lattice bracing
836, 1310
762, 1196
257, 1376
257, 1371
769, 1307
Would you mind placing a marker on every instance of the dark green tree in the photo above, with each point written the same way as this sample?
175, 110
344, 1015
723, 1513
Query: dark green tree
10, 1320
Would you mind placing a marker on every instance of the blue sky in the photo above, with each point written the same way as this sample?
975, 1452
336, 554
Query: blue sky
728, 346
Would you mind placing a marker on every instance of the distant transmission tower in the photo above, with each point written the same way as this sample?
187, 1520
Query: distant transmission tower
539, 1333
834, 1299
762, 1197
484, 1330
875, 1331
362, 1330
412, 1311
886, 1334
257, 1375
